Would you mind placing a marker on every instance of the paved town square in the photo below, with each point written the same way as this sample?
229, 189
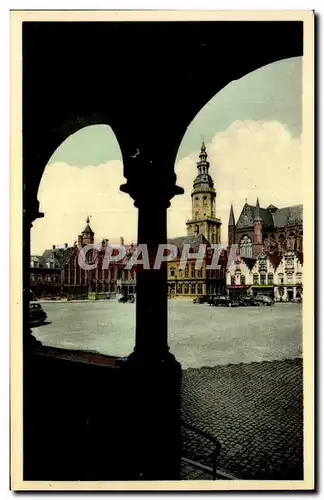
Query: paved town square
199, 335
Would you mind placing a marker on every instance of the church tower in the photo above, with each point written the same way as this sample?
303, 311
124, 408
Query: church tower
203, 196
87, 235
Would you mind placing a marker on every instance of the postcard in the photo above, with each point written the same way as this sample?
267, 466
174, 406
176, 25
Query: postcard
162, 250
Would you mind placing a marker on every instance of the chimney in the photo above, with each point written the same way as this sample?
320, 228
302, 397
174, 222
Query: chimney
122, 241
53, 247
65, 245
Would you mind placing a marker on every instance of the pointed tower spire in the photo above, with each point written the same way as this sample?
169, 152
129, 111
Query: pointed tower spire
203, 179
231, 221
257, 216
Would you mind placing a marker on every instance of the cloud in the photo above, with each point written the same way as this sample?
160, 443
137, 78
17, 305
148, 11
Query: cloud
67, 194
249, 159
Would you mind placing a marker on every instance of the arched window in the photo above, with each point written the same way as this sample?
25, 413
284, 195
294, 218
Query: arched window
172, 271
246, 247
270, 279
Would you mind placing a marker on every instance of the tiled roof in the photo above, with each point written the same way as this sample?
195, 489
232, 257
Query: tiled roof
194, 240
288, 216
281, 217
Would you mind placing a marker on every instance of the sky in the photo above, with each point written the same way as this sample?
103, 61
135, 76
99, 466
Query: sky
252, 129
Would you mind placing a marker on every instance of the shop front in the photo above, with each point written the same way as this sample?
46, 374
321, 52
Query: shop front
263, 290
238, 290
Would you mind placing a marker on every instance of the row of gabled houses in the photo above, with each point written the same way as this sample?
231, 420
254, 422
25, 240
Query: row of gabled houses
280, 276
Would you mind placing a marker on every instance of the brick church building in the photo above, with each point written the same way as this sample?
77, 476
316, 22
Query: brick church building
273, 230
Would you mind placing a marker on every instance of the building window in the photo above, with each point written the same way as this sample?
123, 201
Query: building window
281, 278
32, 277
246, 247
186, 272
192, 289
199, 289
186, 289
112, 273
179, 289
262, 278
232, 280
270, 279
289, 278
242, 279
192, 270
255, 279
299, 278
199, 273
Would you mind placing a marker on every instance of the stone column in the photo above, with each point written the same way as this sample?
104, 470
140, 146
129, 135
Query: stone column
152, 373
29, 341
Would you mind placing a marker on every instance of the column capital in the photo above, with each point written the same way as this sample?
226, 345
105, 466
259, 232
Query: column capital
150, 182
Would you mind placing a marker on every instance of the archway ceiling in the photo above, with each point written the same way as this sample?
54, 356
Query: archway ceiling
146, 80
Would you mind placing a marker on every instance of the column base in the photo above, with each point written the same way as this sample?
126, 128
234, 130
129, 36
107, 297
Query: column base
153, 387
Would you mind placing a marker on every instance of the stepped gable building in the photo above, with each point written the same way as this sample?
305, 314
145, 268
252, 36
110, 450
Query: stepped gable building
273, 229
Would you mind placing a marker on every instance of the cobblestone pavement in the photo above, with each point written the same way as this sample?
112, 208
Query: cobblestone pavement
255, 411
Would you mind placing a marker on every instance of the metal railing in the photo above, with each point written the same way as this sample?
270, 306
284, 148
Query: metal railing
206, 462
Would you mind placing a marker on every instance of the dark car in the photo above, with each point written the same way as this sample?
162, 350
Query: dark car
202, 299
225, 301
247, 301
37, 316
126, 298
264, 300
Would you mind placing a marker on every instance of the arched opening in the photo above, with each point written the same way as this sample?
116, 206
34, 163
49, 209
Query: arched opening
82, 205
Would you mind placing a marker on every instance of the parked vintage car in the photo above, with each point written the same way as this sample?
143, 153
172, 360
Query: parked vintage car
201, 299
37, 316
223, 300
126, 298
297, 300
264, 300
246, 301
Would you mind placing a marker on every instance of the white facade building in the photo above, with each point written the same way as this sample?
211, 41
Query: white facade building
280, 276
